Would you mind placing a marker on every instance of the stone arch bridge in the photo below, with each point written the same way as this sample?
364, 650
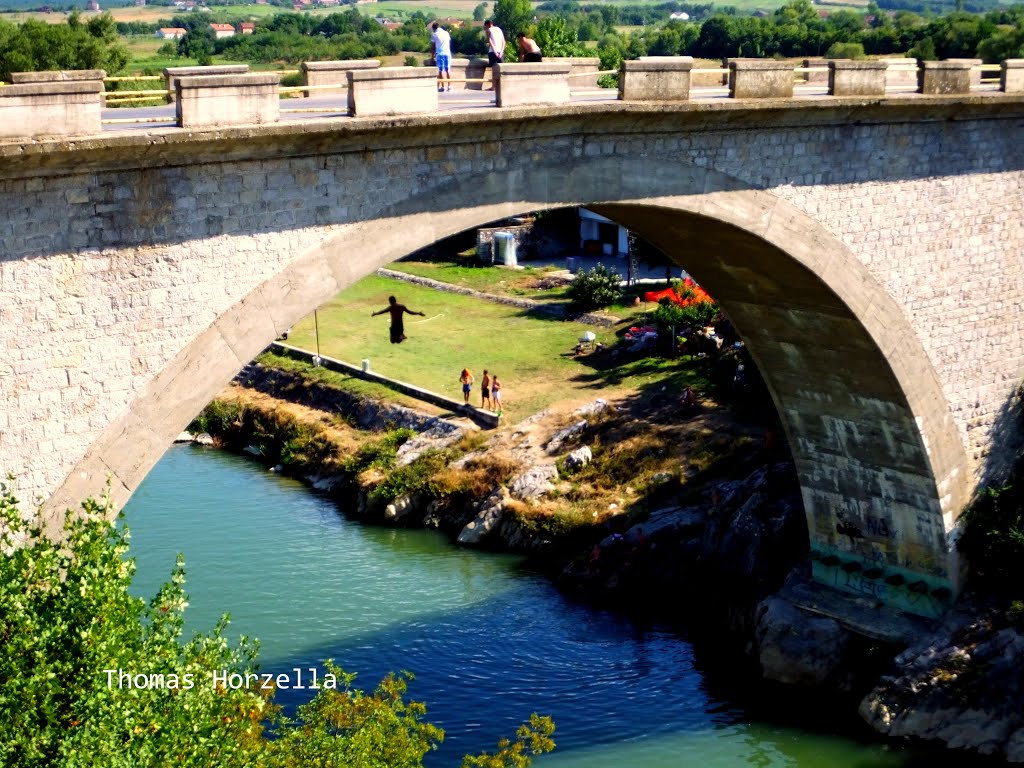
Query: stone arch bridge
868, 251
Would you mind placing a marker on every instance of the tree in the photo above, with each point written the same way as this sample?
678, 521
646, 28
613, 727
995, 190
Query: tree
480, 12
556, 38
198, 44
513, 16
595, 288
93, 676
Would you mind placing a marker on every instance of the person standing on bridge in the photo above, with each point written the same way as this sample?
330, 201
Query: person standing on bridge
397, 326
441, 47
495, 49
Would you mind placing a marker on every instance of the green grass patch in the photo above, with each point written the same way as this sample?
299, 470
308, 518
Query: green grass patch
527, 282
530, 353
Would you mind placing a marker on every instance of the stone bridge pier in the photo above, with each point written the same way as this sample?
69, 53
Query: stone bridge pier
867, 250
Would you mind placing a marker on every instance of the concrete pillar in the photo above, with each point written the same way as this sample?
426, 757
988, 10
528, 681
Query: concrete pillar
51, 106
656, 78
975, 76
392, 91
760, 79
943, 77
1011, 78
816, 77
173, 74
221, 100
579, 65
902, 71
332, 73
531, 84
856, 78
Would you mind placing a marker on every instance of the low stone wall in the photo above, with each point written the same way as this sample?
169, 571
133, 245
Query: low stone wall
522, 85
223, 100
656, 78
173, 74
856, 78
760, 79
54, 106
324, 73
482, 417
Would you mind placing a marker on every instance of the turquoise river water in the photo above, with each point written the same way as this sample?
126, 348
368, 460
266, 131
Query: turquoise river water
488, 640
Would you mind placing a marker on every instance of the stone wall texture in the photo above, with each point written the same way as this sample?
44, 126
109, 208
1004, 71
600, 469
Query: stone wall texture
869, 254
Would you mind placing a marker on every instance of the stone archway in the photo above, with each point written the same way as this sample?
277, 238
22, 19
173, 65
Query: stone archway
880, 463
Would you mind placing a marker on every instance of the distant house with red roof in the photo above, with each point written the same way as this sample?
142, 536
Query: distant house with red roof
222, 30
246, 28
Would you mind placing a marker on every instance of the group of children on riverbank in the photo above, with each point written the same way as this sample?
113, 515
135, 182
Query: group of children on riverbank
490, 390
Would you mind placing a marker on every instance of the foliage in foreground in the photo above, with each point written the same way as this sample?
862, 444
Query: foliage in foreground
66, 618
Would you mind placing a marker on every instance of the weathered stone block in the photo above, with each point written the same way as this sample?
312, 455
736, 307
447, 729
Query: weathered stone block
816, 77
173, 74
326, 73
975, 65
521, 84
656, 78
943, 77
760, 79
856, 78
582, 70
221, 100
19, 78
51, 108
392, 91
470, 69
1011, 78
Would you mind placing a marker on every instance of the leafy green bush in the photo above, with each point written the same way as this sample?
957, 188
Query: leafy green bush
75, 643
993, 539
845, 51
595, 288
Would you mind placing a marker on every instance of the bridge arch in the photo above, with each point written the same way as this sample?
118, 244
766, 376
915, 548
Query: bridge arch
881, 466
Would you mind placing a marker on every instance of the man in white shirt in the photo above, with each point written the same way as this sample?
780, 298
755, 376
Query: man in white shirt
495, 48
441, 47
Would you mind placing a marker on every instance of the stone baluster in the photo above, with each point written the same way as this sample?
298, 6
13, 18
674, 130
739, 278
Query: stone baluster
222, 100
944, 77
392, 91
760, 79
173, 74
45, 104
656, 78
1011, 77
856, 78
532, 84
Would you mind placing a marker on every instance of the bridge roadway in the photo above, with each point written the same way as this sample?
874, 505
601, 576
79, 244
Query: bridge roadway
454, 101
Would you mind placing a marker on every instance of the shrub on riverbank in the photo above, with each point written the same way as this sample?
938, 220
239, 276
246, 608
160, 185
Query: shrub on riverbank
80, 658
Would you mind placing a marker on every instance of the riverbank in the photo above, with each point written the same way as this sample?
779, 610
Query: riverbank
613, 503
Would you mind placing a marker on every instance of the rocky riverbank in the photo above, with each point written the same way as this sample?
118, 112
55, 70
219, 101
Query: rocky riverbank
599, 496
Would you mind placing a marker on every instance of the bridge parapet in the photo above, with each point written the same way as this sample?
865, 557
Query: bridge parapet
656, 78
220, 100
532, 84
856, 78
173, 74
52, 106
391, 91
944, 77
760, 79
1011, 76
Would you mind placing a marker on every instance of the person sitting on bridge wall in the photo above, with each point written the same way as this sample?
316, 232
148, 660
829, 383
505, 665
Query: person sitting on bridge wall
528, 48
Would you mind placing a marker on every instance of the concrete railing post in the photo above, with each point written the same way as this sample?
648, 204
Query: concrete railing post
392, 91
221, 100
975, 71
43, 104
656, 78
469, 69
943, 77
173, 74
530, 84
579, 65
816, 77
1011, 77
760, 79
320, 73
901, 71
856, 78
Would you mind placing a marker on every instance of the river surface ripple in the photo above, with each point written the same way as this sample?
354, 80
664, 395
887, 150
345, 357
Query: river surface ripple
488, 641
